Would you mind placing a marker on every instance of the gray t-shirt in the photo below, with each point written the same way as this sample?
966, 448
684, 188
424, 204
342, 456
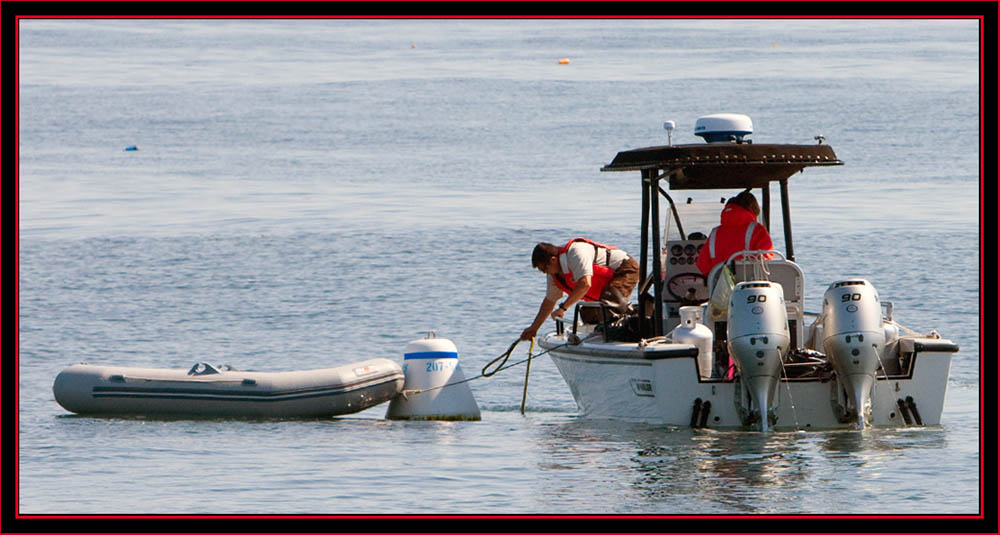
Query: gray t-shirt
579, 261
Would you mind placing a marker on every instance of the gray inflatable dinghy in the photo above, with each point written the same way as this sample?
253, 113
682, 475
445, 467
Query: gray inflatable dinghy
209, 391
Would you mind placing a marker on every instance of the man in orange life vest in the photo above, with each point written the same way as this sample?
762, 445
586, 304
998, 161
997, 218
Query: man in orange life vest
739, 231
585, 270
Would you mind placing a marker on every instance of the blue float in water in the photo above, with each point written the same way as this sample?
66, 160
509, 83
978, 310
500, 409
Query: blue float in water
133, 147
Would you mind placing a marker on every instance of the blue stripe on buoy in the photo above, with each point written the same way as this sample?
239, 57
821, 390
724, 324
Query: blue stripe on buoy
431, 355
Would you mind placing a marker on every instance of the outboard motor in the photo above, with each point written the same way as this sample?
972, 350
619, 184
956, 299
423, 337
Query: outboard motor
854, 340
758, 339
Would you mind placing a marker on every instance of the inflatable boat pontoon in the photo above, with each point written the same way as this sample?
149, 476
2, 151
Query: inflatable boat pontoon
209, 391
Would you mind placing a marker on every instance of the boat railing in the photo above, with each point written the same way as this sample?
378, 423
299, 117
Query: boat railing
561, 326
562, 322
749, 258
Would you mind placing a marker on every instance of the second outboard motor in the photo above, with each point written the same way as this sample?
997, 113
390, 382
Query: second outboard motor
854, 339
758, 339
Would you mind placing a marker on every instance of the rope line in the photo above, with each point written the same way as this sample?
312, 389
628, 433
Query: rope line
933, 334
505, 355
527, 372
500, 367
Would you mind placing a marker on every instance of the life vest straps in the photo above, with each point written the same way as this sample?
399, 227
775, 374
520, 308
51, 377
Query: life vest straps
607, 248
750, 229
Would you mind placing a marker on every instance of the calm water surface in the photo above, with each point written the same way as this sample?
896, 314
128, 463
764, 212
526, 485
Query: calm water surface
312, 193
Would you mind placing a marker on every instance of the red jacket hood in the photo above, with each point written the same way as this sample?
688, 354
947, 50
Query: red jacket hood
735, 215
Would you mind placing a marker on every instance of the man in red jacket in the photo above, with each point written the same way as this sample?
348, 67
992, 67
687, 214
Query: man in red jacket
739, 231
584, 270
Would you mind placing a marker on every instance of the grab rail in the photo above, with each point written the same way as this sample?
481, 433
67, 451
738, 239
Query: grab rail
750, 254
593, 304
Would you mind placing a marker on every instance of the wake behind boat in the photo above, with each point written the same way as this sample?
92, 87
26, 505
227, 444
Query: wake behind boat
736, 348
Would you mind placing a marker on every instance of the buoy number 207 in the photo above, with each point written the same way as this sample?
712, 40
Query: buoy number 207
439, 366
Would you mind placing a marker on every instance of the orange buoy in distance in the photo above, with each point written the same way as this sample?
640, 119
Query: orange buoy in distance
564, 61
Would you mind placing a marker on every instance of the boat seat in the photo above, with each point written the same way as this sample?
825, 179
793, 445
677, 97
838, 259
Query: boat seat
778, 269
787, 274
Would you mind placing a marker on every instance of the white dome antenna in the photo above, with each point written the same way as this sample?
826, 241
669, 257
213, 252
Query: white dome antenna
723, 128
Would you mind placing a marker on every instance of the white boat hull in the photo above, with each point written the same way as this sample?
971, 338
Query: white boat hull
115, 390
622, 382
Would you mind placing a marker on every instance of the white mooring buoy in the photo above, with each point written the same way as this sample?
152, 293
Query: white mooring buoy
429, 364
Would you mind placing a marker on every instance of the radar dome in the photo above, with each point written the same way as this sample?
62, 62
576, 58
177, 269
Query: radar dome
723, 127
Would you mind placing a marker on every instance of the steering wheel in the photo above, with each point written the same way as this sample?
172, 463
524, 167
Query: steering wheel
688, 287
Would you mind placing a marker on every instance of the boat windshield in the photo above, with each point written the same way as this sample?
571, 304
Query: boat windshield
698, 211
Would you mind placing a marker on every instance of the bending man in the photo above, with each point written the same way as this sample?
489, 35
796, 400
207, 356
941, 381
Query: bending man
583, 270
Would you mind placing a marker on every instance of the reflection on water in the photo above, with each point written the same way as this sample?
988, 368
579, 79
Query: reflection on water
729, 468
672, 470
882, 439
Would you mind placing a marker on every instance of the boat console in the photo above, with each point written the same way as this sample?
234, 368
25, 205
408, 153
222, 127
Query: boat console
684, 285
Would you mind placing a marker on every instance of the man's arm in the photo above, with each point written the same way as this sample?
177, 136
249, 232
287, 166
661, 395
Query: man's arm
544, 309
582, 287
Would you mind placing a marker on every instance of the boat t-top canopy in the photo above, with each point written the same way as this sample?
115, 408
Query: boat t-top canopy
724, 165
735, 165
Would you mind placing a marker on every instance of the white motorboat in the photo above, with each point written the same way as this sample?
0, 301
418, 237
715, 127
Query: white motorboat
755, 358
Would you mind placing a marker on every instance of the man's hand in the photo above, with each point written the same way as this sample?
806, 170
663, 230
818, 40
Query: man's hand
529, 333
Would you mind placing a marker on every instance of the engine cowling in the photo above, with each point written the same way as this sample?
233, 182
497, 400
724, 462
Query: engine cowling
758, 339
854, 339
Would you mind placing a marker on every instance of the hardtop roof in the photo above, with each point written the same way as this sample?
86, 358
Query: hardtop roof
724, 165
